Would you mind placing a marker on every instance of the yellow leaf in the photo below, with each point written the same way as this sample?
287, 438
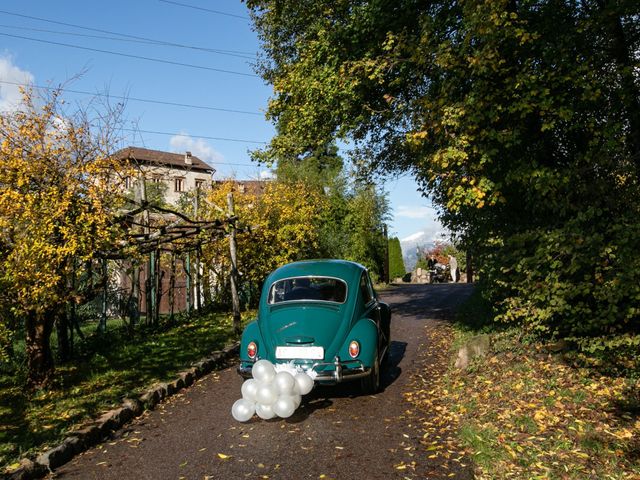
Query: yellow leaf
223, 456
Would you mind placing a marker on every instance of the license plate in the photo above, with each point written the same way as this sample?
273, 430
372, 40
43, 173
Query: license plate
309, 353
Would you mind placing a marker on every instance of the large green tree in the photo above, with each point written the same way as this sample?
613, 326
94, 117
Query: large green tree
396, 262
351, 225
521, 119
322, 170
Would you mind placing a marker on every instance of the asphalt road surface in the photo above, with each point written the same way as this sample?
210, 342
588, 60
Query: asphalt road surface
337, 433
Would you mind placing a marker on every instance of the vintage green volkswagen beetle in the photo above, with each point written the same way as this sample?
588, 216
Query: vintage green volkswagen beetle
325, 317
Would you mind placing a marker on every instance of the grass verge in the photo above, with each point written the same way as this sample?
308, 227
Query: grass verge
112, 366
523, 413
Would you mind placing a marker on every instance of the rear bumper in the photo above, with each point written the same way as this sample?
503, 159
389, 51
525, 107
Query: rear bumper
327, 373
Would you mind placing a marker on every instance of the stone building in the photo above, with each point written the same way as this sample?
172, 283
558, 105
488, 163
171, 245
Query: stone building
179, 172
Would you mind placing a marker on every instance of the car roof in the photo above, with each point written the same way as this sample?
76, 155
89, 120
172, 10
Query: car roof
342, 269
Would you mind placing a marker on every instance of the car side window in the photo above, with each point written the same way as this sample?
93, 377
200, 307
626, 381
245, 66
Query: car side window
365, 288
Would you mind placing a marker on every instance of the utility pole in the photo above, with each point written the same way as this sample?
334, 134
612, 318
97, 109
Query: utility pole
235, 299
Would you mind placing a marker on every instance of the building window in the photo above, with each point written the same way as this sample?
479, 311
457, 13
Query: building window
156, 179
179, 184
199, 183
127, 182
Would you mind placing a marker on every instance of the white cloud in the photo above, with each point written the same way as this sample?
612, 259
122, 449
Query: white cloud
415, 212
267, 175
10, 96
60, 124
201, 149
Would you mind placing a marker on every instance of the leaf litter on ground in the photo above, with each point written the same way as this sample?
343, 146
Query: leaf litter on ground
524, 414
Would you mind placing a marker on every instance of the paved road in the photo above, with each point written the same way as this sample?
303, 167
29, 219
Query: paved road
336, 432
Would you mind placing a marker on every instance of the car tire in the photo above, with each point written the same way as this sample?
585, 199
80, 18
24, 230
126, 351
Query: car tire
371, 383
387, 351
387, 342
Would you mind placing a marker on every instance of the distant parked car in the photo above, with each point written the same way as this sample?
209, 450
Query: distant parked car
324, 316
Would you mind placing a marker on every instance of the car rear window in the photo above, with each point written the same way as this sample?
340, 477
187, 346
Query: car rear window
324, 289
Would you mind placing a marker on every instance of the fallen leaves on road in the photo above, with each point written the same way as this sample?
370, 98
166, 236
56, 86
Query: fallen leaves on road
524, 415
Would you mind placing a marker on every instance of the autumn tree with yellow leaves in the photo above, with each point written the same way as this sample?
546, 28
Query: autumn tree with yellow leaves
276, 225
57, 186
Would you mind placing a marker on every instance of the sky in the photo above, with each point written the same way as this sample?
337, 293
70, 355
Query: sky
183, 68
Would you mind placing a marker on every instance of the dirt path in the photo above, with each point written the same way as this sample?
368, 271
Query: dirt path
336, 432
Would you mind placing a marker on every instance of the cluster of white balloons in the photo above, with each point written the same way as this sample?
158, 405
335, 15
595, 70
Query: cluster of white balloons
274, 391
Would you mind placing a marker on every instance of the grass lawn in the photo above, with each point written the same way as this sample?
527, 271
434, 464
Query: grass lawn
109, 367
523, 413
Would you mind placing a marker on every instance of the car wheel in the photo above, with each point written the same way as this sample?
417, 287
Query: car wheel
387, 343
387, 351
371, 383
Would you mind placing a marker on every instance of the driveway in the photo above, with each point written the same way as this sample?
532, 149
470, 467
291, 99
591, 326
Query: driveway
335, 434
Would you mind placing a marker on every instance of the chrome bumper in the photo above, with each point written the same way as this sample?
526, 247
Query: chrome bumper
338, 371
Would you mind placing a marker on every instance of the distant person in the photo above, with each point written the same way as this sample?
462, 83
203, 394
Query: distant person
431, 263
453, 268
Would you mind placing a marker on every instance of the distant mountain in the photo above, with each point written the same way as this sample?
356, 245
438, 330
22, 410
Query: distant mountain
411, 245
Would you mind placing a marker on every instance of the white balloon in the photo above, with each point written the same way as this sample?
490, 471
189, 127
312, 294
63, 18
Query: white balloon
249, 388
263, 371
284, 406
284, 382
297, 399
242, 410
304, 382
266, 394
296, 388
265, 411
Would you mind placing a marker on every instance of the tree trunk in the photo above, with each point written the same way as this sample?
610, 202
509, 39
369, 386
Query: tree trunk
39, 356
64, 344
622, 53
469, 267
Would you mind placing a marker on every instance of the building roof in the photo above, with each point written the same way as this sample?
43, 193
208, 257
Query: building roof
254, 187
165, 159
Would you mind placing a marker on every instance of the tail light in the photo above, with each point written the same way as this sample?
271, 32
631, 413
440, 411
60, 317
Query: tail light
354, 349
252, 350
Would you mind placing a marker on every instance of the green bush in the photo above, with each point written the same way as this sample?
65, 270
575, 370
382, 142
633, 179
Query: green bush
396, 262
578, 280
